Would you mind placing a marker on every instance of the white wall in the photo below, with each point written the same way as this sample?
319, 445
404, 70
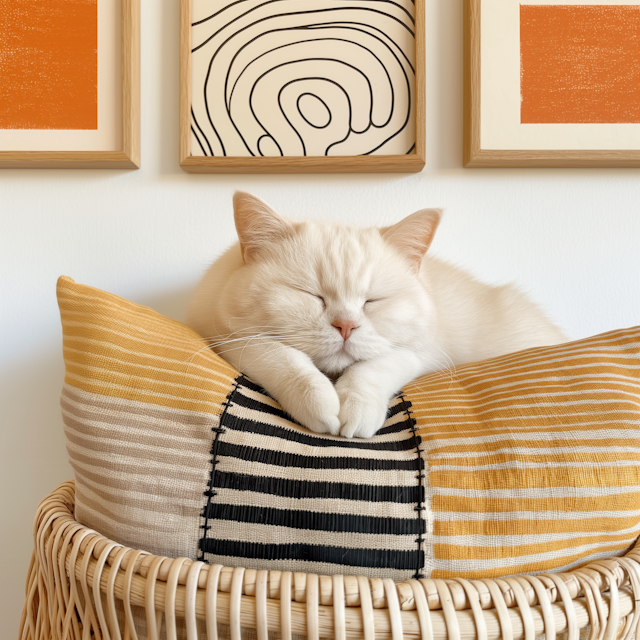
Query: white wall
569, 237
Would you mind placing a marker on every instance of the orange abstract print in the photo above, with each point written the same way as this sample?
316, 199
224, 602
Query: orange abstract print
48, 64
580, 64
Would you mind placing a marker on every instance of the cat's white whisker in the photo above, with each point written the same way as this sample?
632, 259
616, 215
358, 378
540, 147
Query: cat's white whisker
217, 344
449, 363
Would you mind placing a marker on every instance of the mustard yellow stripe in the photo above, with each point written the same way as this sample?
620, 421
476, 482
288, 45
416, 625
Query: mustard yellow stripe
529, 401
523, 416
486, 376
611, 340
205, 359
599, 456
620, 502
527, 567
566, 443
78, 302
472, 552
100, 340
208, 401
537, 479
172, 371
147, 330
111, 380
576, 355
75, 309
585, 421
530, 388
159, 382
184, 343
562, 367
527, 527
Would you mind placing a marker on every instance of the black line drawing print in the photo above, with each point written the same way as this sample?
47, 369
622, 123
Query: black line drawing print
302, 77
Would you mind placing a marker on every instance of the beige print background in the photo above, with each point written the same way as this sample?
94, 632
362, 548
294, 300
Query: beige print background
500, 89
294, 77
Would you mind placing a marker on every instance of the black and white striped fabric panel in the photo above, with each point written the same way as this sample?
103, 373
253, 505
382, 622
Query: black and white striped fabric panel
283, 498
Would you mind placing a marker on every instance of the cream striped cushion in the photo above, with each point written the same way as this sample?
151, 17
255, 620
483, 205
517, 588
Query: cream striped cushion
518, 464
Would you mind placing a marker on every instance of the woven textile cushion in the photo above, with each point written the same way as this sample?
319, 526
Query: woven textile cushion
522, 463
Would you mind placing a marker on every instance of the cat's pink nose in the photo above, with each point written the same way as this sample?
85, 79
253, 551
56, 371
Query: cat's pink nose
345, 327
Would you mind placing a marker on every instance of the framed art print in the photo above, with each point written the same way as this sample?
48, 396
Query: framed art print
302, 86
552, 83
70, 84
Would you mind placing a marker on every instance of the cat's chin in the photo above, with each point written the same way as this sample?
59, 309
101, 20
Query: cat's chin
333, 365
334, 375
333, 370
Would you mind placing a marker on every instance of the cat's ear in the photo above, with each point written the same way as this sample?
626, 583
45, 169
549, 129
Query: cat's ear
257, 224
413, 235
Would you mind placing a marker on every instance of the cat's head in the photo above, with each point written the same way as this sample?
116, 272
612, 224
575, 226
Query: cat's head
340, 294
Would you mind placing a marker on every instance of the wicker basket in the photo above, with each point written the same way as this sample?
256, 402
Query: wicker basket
78, 581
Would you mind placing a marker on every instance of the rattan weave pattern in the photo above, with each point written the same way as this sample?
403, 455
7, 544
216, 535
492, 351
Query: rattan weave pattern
78, 579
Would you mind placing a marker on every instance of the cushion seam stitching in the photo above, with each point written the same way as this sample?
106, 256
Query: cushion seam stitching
420, 478
210, 493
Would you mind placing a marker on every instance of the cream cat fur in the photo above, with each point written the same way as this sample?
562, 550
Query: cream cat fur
333, 320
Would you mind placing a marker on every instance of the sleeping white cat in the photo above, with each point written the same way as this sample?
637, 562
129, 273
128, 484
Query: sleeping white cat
333, 320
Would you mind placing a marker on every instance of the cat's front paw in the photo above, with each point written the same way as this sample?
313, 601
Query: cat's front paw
362, 412
313, 402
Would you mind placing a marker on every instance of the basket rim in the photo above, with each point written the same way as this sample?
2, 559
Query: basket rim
531, 603
62, 512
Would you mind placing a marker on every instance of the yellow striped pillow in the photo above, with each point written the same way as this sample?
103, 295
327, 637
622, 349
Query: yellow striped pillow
523, 463
534, 457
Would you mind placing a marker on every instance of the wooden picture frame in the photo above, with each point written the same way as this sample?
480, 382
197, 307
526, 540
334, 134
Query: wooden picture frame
408, 163
478, 152
128, 154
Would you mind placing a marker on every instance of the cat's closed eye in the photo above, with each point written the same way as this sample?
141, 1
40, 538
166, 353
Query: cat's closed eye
315, 295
